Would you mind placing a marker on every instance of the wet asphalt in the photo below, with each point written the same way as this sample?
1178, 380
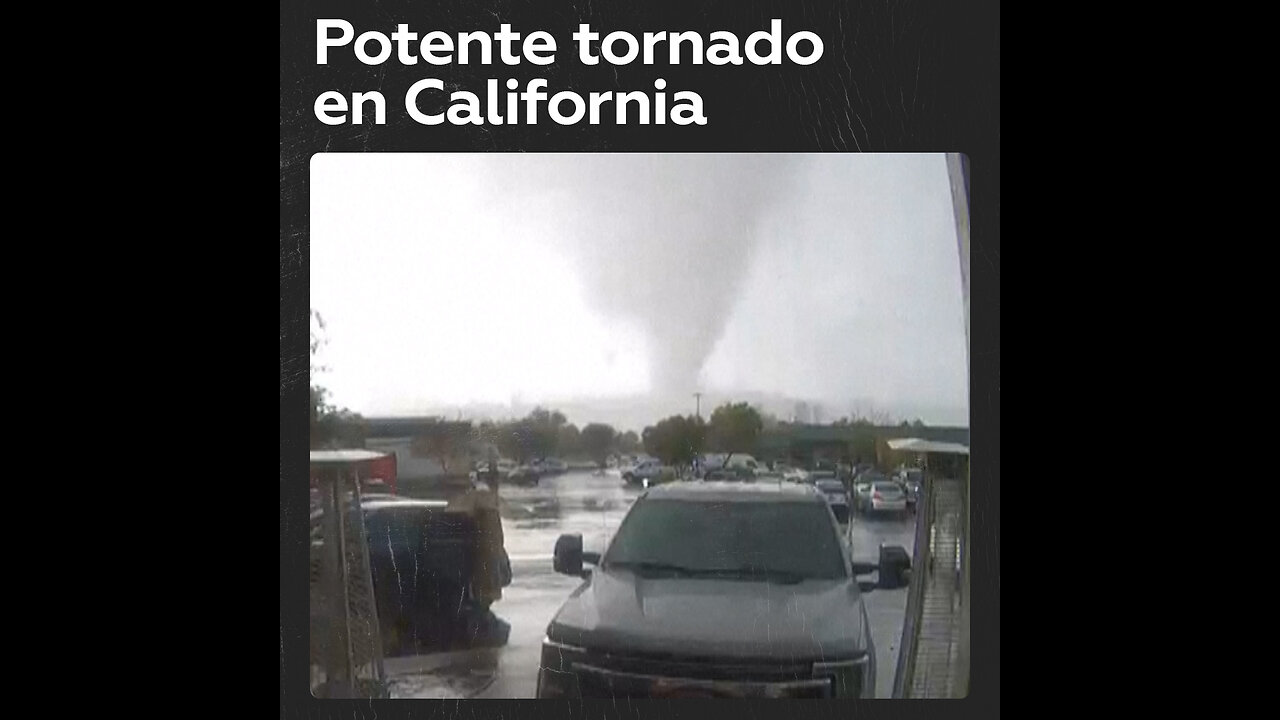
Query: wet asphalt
593, 504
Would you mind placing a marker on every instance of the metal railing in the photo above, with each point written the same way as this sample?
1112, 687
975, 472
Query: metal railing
933, 654
933, 657
346, 639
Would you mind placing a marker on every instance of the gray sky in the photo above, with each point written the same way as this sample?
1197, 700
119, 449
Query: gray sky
623, 280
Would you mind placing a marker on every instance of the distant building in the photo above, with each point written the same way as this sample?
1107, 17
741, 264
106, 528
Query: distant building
801, 414
810, 443
416, 459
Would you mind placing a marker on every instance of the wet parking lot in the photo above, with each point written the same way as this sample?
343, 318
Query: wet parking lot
593, 504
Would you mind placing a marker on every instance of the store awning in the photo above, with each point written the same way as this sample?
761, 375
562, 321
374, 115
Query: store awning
928, 446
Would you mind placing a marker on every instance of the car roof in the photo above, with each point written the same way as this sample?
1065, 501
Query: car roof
344, 457
382, 504
720, 491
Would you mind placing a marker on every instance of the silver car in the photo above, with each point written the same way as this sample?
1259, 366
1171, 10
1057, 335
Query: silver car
887, 496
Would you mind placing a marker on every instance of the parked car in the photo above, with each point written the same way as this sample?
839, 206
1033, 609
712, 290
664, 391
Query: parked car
421, 559
796, 475
758, 597
782, 466
741, 473
824, 466
723, 611
836, 494
525, 475
649, 470
813, 477
912, 480
554, 466
742, 460
862, 483
766, 475
728, 461
861, 496
887, 496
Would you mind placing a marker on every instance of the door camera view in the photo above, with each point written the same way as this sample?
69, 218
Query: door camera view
638, 426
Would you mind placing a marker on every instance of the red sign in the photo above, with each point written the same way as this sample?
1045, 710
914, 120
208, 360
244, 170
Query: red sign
384, 469
378, 475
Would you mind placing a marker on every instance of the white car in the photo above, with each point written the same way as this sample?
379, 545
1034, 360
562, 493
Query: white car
649, 470
796, 475
554, 465
887, 496
763, 475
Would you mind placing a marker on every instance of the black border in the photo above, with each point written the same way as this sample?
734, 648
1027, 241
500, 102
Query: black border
950, 103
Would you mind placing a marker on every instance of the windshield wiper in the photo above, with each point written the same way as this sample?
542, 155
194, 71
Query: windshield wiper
651, 567
783, 577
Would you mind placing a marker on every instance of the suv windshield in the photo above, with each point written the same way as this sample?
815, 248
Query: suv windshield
793, 541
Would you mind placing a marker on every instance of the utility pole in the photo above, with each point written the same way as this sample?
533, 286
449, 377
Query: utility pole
698, 397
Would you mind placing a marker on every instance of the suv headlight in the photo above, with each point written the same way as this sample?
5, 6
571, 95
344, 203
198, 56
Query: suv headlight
556, 678
849, 678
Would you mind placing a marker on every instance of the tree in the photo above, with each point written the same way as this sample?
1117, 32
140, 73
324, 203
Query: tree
331, 426
918, 423
627, 442
319, 408
541, 433
547, 418
675, 440
568, 441
596, 440
446, 442
510, 437
543, 430
735, 428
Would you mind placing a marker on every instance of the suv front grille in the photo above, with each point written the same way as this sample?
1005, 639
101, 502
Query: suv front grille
635, 676
596, 682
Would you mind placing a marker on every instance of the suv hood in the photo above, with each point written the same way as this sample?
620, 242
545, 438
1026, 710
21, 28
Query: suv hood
734, 619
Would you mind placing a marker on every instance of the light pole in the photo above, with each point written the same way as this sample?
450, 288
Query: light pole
698, 410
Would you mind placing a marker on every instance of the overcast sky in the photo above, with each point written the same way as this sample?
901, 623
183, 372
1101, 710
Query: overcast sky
452, 280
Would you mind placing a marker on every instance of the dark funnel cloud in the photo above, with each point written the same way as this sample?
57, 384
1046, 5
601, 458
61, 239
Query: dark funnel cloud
662, 241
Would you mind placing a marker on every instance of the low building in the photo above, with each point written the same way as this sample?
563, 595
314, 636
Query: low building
852, 444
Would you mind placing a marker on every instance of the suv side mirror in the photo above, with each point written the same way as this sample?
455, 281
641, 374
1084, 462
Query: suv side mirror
568, 556
895, 565
863, 568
